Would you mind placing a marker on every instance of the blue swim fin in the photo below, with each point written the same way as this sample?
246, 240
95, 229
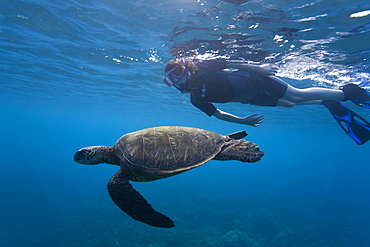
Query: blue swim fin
356, 94
365, 104
353, 124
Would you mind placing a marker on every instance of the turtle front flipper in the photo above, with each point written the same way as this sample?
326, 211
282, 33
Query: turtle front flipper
241, 150
131, 202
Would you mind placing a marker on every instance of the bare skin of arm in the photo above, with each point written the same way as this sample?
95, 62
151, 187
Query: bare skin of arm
252, 120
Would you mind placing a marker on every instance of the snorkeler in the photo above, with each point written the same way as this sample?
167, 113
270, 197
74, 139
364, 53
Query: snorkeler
208, 82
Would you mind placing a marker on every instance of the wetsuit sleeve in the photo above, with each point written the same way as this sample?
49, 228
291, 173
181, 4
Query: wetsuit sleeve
211, 65
206, 107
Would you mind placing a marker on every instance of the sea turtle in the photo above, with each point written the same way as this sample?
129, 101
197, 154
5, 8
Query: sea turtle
161, 152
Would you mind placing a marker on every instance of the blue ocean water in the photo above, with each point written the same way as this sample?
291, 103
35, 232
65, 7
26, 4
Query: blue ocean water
80, 73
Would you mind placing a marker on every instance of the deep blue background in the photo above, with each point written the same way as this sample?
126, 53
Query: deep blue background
62, 88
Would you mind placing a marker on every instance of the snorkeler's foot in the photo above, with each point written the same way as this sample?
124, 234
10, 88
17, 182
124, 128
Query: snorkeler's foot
351, 123
357, 95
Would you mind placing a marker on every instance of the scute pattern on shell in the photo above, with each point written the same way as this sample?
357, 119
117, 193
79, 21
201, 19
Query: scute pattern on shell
169, 149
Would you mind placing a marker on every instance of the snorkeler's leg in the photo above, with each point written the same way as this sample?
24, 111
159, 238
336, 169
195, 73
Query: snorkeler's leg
315, 95
352, 92
287, 103
312, 95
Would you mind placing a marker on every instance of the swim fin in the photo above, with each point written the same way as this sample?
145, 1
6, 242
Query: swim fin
365, 104
353, 124
356, 94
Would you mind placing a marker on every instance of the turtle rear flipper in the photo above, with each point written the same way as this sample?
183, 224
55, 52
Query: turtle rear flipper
131, 202
240, 150
238, 135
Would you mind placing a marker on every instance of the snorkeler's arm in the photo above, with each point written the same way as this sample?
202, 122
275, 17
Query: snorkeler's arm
253, 120
262, 69
211, 110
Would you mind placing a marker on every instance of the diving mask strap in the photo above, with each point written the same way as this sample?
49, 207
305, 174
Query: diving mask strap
184, 87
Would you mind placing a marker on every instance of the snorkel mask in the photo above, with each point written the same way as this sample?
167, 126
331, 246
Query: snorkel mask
171, 79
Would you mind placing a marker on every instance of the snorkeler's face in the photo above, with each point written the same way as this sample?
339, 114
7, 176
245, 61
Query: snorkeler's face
178, 77
172, 76
181, 80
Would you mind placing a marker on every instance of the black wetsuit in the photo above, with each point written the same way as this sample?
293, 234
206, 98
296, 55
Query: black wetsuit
210, 84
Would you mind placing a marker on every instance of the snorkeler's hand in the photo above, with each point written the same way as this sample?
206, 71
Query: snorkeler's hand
252, 120
266, 69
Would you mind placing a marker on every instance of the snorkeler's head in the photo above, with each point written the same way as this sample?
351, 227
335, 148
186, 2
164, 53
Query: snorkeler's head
173, 71
178, 74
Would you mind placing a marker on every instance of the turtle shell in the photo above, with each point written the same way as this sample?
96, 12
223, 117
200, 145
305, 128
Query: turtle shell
167, 149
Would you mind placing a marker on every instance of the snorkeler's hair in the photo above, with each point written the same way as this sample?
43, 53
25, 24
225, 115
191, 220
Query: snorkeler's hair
180, 67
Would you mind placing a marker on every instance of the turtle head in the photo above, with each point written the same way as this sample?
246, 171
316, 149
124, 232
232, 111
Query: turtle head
90, 155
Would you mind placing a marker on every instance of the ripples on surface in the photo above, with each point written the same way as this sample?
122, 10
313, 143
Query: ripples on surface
113, 52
